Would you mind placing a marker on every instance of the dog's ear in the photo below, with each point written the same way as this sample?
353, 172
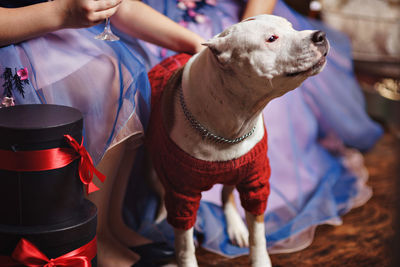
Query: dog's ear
219, 46
212, 47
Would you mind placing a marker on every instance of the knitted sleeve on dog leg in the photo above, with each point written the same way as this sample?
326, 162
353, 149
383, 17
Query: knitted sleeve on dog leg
254, 188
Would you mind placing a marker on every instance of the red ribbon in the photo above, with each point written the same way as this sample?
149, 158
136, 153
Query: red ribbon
86, 167
27, 254
54, 158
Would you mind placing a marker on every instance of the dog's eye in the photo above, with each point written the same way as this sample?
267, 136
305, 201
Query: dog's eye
272, 38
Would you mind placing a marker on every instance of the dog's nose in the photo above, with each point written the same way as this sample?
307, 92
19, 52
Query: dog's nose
319, 38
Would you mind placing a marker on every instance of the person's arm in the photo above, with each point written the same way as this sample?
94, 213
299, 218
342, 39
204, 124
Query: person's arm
257, 7
141, 21
19, 24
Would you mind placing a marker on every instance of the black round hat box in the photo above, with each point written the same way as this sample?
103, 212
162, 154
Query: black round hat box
47, 208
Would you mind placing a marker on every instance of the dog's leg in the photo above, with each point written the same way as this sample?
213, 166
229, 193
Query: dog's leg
184, 248
258, 244
237, 230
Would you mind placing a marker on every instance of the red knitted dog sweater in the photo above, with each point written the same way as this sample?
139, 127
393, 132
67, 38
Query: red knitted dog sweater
185, 177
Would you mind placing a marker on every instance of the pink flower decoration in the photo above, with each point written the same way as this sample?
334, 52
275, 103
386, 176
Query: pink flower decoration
211, 2
7, 102
200, 18
23, 74
163, 52
192, 13
190, 4
182, 6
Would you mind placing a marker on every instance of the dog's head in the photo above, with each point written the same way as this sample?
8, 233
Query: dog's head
266, 47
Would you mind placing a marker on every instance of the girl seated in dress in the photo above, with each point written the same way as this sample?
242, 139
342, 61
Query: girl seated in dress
107, 81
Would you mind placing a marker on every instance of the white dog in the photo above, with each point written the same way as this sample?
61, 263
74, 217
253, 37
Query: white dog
207, 122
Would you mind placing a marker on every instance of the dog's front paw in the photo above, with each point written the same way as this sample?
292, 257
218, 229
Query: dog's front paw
187, 260
184, 248
261, 260
259, 257
237, 230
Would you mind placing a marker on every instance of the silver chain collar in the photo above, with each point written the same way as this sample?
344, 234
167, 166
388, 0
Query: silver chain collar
204, 132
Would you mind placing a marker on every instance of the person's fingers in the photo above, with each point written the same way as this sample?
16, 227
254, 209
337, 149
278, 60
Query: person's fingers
103, 5
102, 15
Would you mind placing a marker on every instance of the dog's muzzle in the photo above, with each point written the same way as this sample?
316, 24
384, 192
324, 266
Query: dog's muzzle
318, 38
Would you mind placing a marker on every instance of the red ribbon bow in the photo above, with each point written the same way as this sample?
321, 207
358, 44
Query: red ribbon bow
86, 167
54, 158
28, 254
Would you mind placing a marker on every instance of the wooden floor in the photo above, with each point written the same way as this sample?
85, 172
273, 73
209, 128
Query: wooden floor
366, 237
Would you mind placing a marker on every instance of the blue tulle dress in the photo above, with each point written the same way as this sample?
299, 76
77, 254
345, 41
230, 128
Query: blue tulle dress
315, 177
106, 81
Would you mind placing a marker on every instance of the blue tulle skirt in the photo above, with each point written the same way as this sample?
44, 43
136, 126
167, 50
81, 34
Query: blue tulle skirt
106, 81
315, 177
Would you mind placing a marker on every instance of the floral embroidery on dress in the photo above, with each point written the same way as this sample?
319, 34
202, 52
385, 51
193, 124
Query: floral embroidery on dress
193, 8
7, 102
13, 81
23, 74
